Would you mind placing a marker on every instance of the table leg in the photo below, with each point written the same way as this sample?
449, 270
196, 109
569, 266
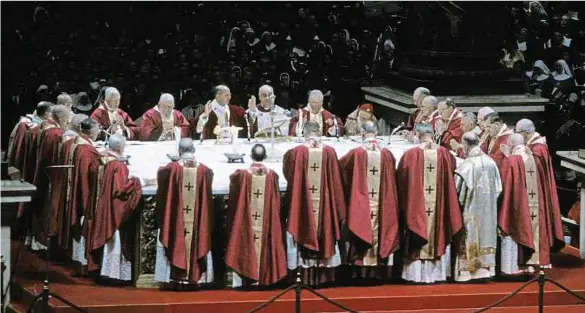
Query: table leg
582, 223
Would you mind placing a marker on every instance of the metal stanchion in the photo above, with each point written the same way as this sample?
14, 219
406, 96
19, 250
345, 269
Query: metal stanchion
298, 290
541, 280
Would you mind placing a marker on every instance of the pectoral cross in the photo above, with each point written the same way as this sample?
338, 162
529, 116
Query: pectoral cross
257, 193
373, 193
189, 186
256, 216
430, 189
187, 209
532, 216
429, 211
532, 194
430, 167
185, 232
314, 167
313, 189
531, 171
373, 170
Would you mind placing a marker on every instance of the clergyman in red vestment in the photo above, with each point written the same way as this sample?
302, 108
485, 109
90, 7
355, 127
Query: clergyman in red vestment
163, 122
184, 214
109, 242
372, 206
417, 97
448, 127
16, 152
255, 250
315, 209
499, 133
428, 115
112, 119
219, 114
81, 192
431, 213
484, 135
544, 167
329, 124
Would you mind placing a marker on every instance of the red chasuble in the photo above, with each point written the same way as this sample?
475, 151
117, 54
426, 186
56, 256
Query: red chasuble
514, 211
172, 211
411, 189
364, 221
452, 129
60, 181
151, 126
117, 196
325, 115
550, 218
321, 238
101, 116
484, 140
255, 248
237, 118
16, 146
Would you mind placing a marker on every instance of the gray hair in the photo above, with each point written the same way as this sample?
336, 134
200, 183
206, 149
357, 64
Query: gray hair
471, 139
470, 116
432, 100
89, 125
64, 99
167, 98
265, 87
483, 112
316, 95
422, 91
311, 129
61, 113
77, 119
186, 146
525, 125
515, 140
449, 102
219, 89
370, 127
111, 92
493, 118
117, 142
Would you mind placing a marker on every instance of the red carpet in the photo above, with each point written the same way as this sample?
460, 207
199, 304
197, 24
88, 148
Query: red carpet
457, 298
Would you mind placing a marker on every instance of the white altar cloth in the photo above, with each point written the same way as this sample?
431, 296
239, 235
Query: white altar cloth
145, 158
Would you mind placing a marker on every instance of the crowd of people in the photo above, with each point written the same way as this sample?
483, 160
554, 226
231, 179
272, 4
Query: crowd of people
364, 215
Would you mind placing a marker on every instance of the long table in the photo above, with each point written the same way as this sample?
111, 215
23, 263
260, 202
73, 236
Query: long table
145, 158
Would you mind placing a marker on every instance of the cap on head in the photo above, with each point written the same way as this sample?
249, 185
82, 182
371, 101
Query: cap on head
481, 114
258, 153
186, 146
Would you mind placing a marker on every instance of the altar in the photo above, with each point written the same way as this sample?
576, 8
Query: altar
145, 158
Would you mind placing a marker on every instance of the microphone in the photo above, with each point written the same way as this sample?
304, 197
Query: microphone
335, 125
397, 128
247, 125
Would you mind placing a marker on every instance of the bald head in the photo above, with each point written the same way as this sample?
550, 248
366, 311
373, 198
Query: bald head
61, 114
258, 153
515, 140
65, 99
419, 94
525, 126
76, 121
117, 143
370, 129
44, 109
311, 129
424, 131
186, 146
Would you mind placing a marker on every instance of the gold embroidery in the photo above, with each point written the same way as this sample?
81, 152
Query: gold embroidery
427, 252
373, 177
189, 193
257, 197
314, 180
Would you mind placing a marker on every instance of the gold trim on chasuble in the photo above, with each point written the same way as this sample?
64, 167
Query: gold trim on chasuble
168, 124
314, 180
373, 177
257, 197
532, 194
427, 252
189, 193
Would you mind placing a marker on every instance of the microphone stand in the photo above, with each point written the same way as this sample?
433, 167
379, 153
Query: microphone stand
46, 294
394, 131
246, 116
336, 128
